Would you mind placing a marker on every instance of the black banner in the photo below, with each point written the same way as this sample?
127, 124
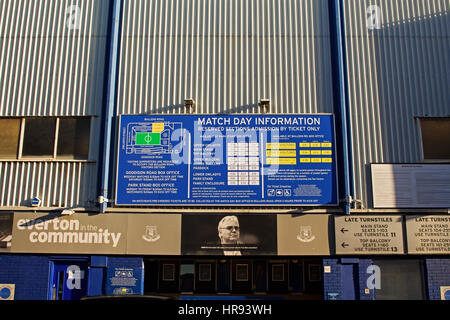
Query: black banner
231, 235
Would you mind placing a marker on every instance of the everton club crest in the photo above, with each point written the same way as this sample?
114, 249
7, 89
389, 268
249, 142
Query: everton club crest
305, 234
151, 234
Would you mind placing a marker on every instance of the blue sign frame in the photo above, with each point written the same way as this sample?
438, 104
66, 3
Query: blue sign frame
226, 160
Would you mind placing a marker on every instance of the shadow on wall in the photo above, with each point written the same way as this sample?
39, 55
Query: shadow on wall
410, 79
412, 63
227, 57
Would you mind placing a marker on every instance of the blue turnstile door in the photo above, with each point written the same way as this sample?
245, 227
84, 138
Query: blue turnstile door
350, 282
69, 281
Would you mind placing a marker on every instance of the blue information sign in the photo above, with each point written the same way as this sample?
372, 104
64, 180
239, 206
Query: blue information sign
124, 280
226, 160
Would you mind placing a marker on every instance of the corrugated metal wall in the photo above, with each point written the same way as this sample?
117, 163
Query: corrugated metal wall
396, 73
226, 55
57, 184
49, 70
46, 68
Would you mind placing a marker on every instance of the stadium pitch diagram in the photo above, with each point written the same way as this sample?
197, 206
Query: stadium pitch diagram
151, 137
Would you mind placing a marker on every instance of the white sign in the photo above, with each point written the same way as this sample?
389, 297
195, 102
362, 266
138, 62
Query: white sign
7, 291
411, 185
445, 293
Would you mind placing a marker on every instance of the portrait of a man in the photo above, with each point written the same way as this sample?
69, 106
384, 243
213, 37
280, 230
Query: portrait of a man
230, 235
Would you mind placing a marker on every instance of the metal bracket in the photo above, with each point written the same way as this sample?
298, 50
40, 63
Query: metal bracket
190, 104
264, 104
347, 199
102, 199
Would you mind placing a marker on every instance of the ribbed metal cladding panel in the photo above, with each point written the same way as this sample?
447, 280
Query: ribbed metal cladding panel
226, 55
396, 73
48, 69
57, 184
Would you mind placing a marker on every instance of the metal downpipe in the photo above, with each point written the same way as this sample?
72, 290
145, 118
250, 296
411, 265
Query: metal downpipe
110, 103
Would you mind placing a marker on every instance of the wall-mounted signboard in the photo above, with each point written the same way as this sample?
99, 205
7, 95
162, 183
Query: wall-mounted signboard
411, 185
445, 292
96, 234
428, 234
124, 280
78, 233
304, 234
227, 234
238, 234
7, 291
226, 160
369, 235
234, 235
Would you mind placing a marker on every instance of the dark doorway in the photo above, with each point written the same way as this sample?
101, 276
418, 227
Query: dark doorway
260, 276
169, 273
224, 276
187, 276
241, 276
296, 276
278, 276
150, 276
205, 276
